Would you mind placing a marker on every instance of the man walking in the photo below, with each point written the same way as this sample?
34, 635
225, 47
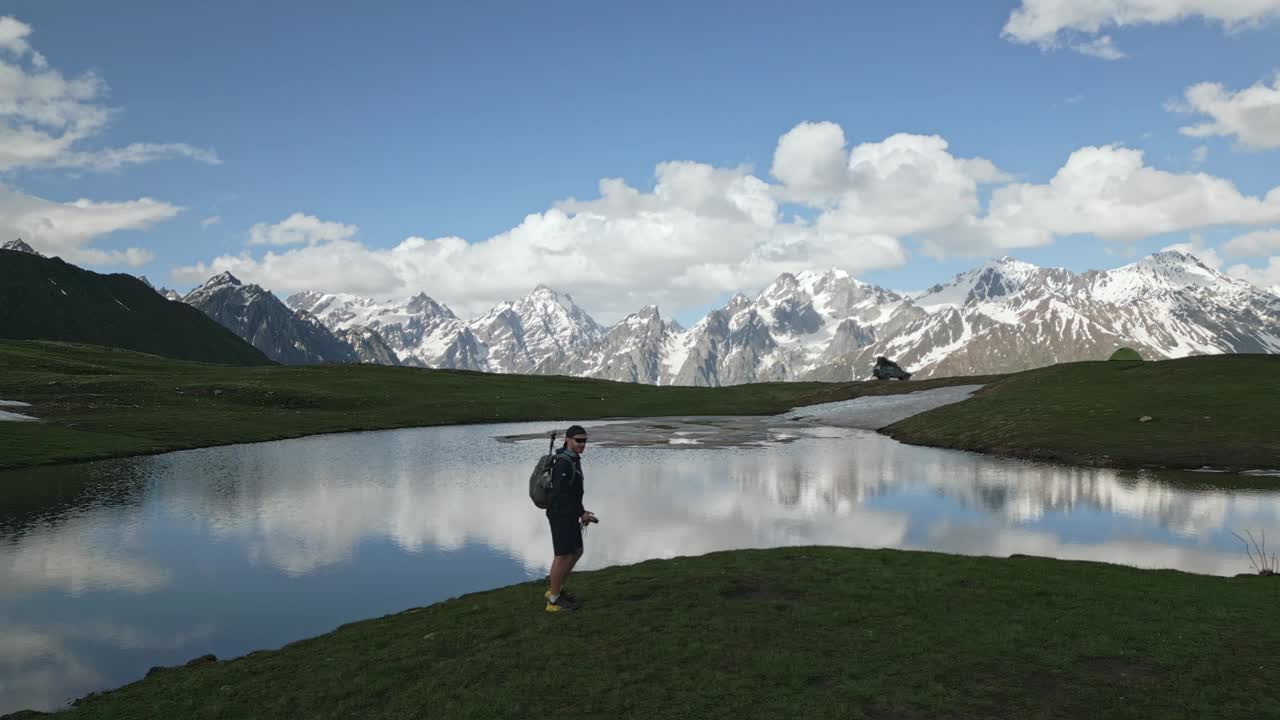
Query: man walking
566, 516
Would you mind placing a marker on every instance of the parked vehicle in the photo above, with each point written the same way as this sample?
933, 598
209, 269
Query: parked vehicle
887, 369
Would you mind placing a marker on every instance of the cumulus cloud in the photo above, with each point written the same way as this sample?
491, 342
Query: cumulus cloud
812, 162
702, 231
1251, 115
907, 184
1061, 23
300, 229
1254, 244
45, 117
67, 229
1110, 192
1266, 277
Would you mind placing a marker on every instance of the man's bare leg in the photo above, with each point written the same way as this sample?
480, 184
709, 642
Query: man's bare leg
560, 568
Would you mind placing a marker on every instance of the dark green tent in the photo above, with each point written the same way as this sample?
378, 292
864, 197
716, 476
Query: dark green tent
1125, 353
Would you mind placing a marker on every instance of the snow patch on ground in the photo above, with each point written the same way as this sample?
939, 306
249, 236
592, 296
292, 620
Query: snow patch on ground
877, 411
6, 416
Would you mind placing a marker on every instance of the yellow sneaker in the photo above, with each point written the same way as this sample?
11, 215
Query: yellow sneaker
562, 603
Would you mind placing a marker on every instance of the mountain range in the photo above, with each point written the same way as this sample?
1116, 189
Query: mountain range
1003, 316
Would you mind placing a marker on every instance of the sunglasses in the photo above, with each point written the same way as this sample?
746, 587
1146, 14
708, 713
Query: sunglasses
580, 441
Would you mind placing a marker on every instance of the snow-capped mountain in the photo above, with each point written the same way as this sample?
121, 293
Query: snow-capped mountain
1008, 315
19, 246
368, 345
258, 316
541, 333
634, 350
418, 331
1003, 316
544, 333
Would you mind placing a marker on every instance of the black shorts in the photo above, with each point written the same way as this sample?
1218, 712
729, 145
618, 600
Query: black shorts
566, 534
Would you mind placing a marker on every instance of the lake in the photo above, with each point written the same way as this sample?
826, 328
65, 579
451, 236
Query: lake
109, 568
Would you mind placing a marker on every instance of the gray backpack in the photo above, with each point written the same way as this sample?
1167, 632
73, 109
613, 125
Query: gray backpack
540, 478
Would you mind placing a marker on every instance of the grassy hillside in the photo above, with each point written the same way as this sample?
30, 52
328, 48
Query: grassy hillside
101, 403
48, 299
786, 633
1221, 410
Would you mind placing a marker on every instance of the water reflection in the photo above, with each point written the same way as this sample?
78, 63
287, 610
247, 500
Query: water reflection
109, 568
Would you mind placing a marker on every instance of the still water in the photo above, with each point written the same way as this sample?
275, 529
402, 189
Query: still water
109, 568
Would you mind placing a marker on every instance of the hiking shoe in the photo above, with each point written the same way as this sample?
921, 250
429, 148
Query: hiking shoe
562, 603
564, 594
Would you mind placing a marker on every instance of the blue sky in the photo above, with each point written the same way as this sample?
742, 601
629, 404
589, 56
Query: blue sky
389, 120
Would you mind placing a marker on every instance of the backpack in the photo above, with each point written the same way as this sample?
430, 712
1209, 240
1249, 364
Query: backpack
540, 478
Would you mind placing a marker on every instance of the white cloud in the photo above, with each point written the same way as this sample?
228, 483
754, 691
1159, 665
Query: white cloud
300, 229
699, 232
1111, 193
907, 184
1100, 47
1266, 277
812, 162
1056, 23
1199, 155
13, 39
1251, 116
68, 229
211, 220
135, 154
1254, 244
703, 230
44, 116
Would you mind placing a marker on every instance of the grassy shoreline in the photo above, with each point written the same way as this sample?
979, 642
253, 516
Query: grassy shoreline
98, 403
785, 632
1217, 411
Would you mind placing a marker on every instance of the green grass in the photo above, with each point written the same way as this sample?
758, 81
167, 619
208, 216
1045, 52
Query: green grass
1221, 411
785, 633
100, 403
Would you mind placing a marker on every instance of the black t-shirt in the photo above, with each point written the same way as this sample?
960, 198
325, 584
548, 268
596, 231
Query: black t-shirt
564, 497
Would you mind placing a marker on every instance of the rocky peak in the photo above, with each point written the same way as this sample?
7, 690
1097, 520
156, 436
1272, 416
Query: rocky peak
222, 278
647, 312
20, 246
736, 304
422, 304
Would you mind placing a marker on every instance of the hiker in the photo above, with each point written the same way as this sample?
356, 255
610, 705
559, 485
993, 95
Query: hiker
566, 516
